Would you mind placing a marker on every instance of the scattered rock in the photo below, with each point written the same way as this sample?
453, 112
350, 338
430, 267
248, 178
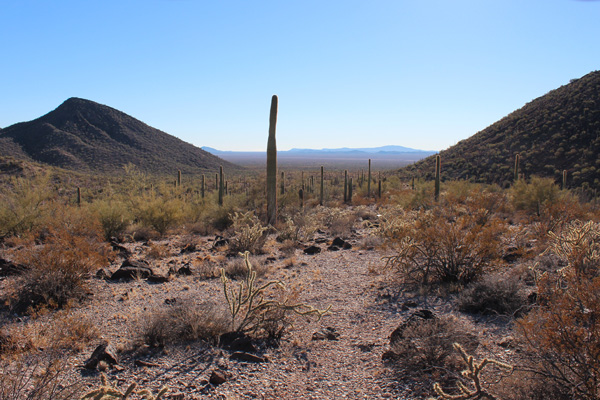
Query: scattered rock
102, 274
321, 240
236, 341
188, 248
217, 377
8, 268
328, 333
511, 254
341, 243
131, 269
312, 250
158, 279
170, 301
122, 250
185, 270
242, 356
142, 363
333, 248
220, 241
104, 352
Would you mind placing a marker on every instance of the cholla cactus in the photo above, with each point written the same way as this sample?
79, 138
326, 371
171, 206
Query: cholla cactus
472, 373
247, 303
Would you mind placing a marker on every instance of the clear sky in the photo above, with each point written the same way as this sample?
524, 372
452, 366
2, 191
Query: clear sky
348, 73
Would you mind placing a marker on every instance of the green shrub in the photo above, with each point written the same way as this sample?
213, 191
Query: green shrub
113, 216
160, 213
533, 196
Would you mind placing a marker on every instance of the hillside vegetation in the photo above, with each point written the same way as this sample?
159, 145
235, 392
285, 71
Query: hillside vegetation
555, 132
86, 136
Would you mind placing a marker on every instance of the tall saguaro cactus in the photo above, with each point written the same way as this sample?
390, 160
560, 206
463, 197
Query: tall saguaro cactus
221, 185
437, 177
345, 186
369, 181
203, 187
517, 159
272, 165
322, 188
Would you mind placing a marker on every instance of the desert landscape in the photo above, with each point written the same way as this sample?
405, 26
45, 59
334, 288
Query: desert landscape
368, 283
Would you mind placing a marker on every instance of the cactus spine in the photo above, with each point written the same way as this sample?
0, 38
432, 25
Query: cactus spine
517, 159
221, 185
437, 177
272, 165
322, 188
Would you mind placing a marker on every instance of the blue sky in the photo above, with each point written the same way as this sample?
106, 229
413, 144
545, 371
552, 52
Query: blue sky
421, 74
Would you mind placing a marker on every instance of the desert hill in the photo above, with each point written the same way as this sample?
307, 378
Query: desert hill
557, 131
86, 136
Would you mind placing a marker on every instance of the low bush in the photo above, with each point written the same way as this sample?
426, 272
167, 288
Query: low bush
58, 271
441, 248
494, 294
561, 331
182, 322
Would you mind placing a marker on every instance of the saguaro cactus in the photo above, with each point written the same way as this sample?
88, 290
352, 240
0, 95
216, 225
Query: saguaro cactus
272, 165
350, 191
345, 186
437, 177
369, 181
564, 179
282, 183
78, 196
221, 185
517, 159
203, 187
178, 177
322, 188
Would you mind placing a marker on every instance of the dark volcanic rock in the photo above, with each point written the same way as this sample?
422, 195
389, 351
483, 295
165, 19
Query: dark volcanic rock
8, 268
132, 270
105, 352
312, 250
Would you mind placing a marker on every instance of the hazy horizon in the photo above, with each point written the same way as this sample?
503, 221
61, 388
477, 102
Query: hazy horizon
423, 75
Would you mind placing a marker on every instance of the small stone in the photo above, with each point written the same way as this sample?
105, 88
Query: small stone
311, 250
241, 356
218, 377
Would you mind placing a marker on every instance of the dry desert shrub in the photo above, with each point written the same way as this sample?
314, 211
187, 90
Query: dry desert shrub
422, 349
494, 294
113, 216
59, 270
181, 322
36, 378
441, 247
561, 331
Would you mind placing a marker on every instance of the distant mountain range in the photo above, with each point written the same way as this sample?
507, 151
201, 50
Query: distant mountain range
555, 132
391, 156
90, 137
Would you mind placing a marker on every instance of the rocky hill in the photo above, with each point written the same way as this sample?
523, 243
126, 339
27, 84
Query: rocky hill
555, 132
86, 136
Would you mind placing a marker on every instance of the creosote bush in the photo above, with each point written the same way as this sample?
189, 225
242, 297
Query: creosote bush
447, 248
